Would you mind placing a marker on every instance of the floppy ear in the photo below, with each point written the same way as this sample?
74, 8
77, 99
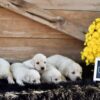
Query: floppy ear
64, 69
65, 72
63, 78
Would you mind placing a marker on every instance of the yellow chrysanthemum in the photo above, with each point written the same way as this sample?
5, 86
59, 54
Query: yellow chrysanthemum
91, 28
97, 20
92, 43
97, 26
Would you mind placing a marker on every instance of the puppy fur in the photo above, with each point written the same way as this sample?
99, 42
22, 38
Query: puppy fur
22, 74
5, 71
38, 62
66, 66
52, 75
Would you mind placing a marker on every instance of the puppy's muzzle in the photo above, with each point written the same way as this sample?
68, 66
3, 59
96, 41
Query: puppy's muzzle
42, 68
78, 78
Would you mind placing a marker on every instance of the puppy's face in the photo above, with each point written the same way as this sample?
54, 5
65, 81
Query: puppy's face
74, 72
56, 78
35, 77
52, 76
40, 62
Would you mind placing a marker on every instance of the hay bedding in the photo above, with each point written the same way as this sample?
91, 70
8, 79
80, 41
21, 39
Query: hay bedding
79, 90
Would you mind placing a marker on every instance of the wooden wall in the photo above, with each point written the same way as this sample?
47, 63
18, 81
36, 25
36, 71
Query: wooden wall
21, 38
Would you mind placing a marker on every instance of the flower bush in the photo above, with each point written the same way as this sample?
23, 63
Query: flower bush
92, 43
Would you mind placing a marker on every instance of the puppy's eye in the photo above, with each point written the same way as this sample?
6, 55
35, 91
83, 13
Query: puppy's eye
45, 62
37, 63
56, 79
73, 72
34, 81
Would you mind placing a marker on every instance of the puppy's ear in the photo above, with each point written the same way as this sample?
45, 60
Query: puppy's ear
63, 78
65, 72
64, 69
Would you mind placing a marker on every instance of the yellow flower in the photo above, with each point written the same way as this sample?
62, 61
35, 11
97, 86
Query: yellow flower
97, 26
92, 43
87, 62
98, 30
91, 28
82, 57
97, 19
96, 35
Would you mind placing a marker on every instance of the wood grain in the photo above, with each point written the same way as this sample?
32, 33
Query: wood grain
14, 25
21, 38
85, 5
23, 53
35, 13
19, 49
11, 42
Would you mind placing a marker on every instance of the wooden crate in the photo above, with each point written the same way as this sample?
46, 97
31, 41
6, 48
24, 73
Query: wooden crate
21, 37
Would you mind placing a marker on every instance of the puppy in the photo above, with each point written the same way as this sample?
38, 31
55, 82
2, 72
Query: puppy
66, 66
22, 74
5, 71
52, 75
38, 62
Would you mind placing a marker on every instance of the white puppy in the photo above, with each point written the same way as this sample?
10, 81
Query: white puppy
22, 74
52, 75
66, 66
38, 62
5, 71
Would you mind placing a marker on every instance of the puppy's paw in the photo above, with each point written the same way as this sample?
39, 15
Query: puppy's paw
20, 83
10, 80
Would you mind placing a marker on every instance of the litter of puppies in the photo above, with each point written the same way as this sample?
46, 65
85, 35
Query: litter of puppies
40, 69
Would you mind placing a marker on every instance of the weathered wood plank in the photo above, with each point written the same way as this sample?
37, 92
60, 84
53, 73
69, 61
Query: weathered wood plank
13, 54
87, 5
24, 37
33, 12
68, 42
19, 48
28, 34
14, 25
79, 18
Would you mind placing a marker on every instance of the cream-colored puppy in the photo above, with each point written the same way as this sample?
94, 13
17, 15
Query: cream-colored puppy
22, 74
66, 66
38, 62
52, 75
5, 71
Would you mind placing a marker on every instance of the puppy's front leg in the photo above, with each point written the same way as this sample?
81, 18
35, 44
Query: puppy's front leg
10, 79
19, 82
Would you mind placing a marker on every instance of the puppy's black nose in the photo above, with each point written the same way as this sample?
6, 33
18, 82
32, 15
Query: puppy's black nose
42, 68
78, 78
